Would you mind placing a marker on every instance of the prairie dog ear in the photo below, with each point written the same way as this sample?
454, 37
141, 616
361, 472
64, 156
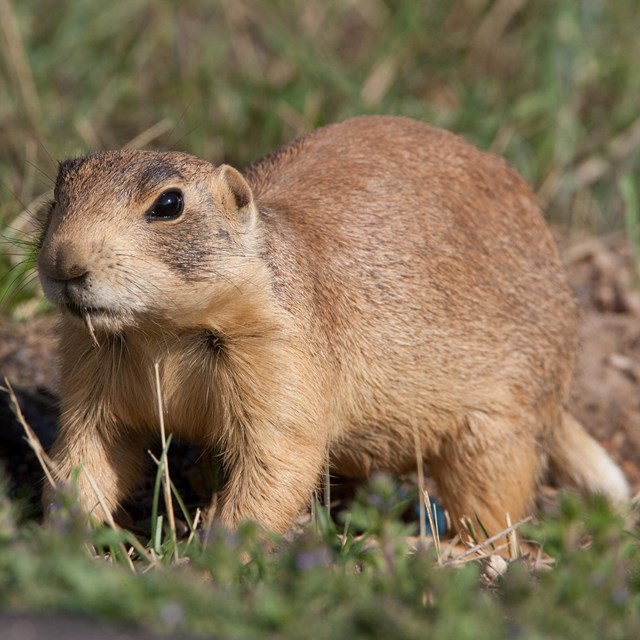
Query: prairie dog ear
235, 194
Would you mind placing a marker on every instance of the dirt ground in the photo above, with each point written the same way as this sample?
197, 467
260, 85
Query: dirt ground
605, 395
606, 391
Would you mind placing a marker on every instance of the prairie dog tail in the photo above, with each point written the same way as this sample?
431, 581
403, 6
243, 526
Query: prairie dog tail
577, 460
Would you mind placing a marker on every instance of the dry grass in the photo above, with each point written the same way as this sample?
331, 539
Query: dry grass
45, 461
164, 463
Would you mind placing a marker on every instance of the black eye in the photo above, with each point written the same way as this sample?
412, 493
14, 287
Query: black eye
168, 206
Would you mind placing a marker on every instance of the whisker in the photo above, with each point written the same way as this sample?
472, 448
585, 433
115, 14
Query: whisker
50, 180
54, 162
14, 290
186, 134
26, 241
15, 195
17, 254
172, 144
23, 264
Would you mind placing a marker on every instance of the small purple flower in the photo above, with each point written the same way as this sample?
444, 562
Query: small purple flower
375, 500
306, 560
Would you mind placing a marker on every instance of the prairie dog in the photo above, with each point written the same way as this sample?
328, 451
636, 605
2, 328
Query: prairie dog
374, 280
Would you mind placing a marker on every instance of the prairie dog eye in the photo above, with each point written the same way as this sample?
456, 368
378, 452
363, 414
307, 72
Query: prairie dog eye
168, 206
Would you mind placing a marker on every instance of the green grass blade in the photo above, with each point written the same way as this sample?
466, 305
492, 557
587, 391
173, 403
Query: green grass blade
628, 189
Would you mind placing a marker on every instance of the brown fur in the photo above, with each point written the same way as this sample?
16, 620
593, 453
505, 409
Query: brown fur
376, 278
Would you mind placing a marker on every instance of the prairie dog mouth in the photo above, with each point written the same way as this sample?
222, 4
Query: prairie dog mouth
80, 311
94, 318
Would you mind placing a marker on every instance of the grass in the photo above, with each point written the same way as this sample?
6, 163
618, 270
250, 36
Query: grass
629, 194
365, 575
237, 586
552, 85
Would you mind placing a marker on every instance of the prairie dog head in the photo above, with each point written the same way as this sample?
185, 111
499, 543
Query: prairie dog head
142, 236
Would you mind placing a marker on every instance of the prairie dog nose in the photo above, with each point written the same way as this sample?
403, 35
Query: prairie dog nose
63, 262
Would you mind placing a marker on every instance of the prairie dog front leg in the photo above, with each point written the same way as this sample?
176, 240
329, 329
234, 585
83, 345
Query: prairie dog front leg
271, 480
104, 457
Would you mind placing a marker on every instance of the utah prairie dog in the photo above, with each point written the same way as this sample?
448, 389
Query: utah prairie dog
373, 280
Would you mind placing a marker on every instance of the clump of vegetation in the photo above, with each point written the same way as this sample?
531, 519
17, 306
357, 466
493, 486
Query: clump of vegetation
248, 584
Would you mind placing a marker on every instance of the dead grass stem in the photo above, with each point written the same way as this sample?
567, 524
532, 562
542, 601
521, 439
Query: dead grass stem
166, 478
47, 464
486, 547
19, 63
421, 491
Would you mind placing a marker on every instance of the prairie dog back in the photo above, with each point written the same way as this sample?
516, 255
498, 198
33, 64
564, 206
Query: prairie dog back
372, 281
414, 237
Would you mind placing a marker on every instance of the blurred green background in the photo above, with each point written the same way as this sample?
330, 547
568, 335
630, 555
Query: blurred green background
553, 85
